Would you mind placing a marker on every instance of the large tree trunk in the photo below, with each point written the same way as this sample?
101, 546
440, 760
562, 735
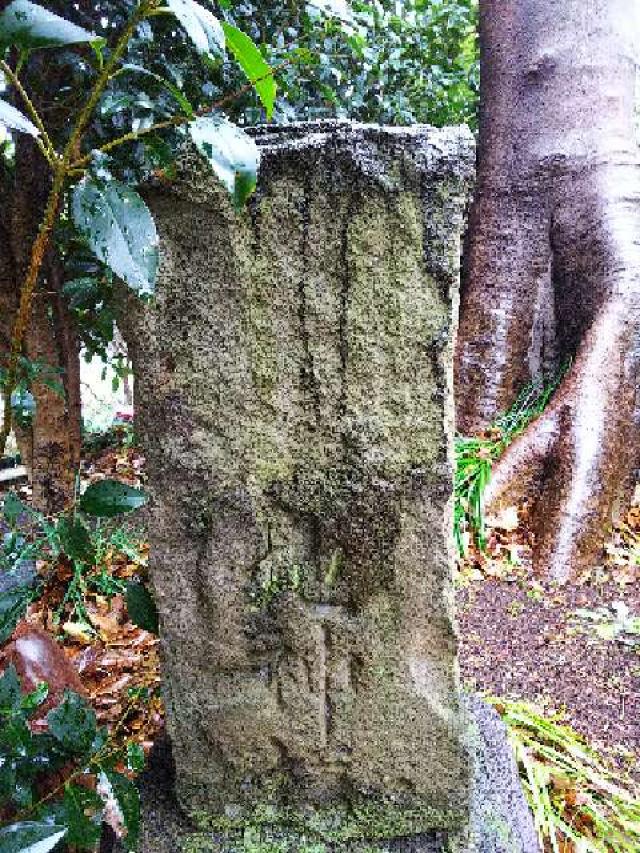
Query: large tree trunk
56, 423
553, 262
10, 292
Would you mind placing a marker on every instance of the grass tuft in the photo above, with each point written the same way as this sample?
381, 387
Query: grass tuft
579, 805
475, 457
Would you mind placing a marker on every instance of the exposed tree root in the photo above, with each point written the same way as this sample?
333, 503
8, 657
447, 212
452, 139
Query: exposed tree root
553, 265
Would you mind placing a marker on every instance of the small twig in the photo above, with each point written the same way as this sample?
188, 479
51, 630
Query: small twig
176, 121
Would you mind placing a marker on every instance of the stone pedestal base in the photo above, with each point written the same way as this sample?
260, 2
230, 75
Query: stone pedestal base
500, 819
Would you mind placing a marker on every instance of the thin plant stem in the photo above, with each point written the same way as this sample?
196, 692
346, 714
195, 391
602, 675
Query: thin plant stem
13, 79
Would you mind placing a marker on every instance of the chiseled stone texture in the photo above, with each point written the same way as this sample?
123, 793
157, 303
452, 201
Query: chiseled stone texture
294, 395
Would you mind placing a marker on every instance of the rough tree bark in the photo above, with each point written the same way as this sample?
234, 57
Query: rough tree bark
9, 290
52, 445
553, 262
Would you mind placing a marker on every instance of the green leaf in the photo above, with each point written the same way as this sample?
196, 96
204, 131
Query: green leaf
116, 102
81, 291
13, 606
34, 699
120, 230
141, 607
81, 811
29, 26
75, 540
253, 64
202, 27
73, 724
121, 789
12, 508
135, 756
10, 693
107, 498
8, 779
231, 152
13, 119
28, 837
177, 94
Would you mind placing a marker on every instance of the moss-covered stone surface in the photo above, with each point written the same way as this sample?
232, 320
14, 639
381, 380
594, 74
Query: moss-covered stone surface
367, 828
294, 391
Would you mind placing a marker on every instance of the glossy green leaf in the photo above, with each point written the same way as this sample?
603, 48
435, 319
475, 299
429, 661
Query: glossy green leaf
13, 119
116, 102
10, 693
120, 230
231, 152
80, 809
29, 26
179, 96
82, 292
123, 791
29, 837
141, 607
8, 780
13, 606
107, 498
33, 700
135, 756
253, 64
75, 539
202, 27
73, 724
12, 508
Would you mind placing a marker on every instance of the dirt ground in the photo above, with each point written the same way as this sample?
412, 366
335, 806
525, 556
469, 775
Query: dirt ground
523, 639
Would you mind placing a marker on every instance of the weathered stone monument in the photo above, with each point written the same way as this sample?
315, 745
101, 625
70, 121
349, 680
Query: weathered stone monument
294, 394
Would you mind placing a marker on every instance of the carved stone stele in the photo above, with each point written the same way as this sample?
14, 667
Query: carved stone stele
294, 396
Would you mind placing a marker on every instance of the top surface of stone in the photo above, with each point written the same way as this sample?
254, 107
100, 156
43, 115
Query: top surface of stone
301, 134
450, 149
444, 151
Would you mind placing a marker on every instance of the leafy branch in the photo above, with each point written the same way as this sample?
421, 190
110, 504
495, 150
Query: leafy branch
176, 121
72, 750
41, 244
101, 210
109, 751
